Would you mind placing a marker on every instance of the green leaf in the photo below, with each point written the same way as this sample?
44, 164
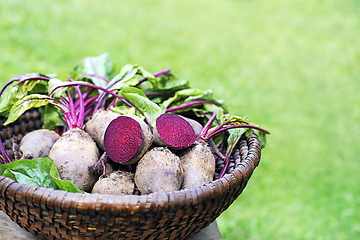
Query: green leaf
125, 83
101, 66
54, 83
148, 108
234, 136
57, 88
188, 95
8, 98
28, 86
51, 117
218, 110
246, 131
127, 72
16, 91
168, 84
133, 90
25, 179
41, 172
130, 76
124, 110
145, 74
28, 102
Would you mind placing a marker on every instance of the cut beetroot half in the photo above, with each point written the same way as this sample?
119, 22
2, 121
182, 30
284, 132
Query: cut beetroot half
175, 131
122, 139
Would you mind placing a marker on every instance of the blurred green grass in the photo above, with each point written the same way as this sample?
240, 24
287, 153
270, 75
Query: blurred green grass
293, 66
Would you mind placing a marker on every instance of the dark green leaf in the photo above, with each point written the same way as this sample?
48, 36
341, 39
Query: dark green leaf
101, 66
28, 102
130, 76
168, 86
240, 131
16, 91
39, 172
262, 139
148, 108
51, 117
8, 98
125, 83
189, 95
29, 85
218, 110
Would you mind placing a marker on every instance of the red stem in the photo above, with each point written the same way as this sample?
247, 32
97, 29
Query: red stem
207, 126
71, 110
158, 74
80, 117
228, 155
112, 104
97, 76
33, 78
212, 133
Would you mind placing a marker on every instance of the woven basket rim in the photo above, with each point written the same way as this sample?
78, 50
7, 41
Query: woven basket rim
216, 187
190, 196
48, 213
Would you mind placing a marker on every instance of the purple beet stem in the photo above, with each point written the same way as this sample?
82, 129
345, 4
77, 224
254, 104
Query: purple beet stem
97, 76
158, 74
140, 81
227, 158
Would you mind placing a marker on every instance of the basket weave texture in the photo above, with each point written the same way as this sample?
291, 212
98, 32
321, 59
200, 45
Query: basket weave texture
54, 214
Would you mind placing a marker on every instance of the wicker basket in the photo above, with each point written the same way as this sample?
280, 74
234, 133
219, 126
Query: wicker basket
54, 214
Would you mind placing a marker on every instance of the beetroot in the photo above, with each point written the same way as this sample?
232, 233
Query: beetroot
126, 139
159, 170
97, 125
37, 144
195, 125
198, 164
118, 182
72, 154
174, 131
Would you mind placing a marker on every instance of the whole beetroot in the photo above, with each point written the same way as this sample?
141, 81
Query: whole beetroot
159, 170
198, 163
37, 144
118, 183
72, 154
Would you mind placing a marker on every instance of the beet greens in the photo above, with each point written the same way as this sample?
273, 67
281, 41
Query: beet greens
155, 98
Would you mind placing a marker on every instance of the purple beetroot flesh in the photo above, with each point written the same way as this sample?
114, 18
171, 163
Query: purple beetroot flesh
175, 131
126, 140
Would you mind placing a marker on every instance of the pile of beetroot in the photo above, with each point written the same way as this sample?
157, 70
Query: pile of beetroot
124, 133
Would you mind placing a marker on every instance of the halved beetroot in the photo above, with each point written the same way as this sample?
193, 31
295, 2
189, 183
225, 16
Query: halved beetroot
126, 139
174, 131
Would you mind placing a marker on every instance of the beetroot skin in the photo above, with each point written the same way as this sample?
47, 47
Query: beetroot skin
159, 170
37, 144
72, 154
198, 164
118, 183
174, 131
97, 125
126, 139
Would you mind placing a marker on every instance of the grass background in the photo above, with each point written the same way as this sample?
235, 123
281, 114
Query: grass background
293, 66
